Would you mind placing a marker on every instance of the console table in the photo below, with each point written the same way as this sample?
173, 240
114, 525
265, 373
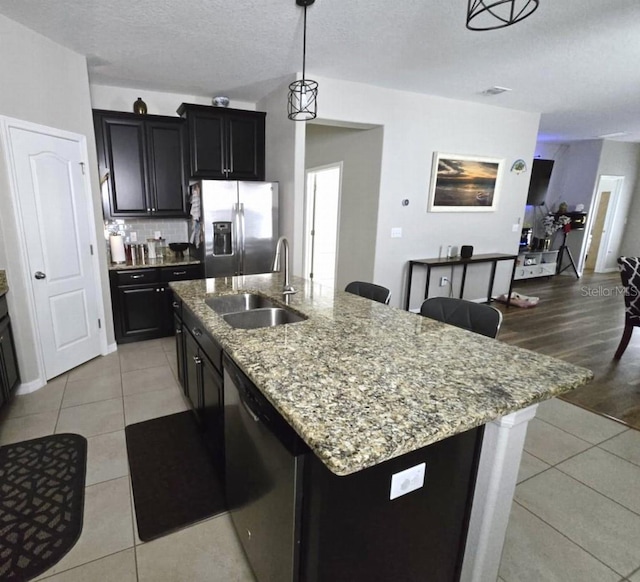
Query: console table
429, 264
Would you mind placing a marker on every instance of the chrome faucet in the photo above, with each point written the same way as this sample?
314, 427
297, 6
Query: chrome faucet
283, 243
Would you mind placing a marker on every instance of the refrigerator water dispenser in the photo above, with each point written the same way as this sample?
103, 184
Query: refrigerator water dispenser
222, 243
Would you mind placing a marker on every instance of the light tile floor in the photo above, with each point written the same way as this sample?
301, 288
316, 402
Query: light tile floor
576, 512
575, 517
97, 400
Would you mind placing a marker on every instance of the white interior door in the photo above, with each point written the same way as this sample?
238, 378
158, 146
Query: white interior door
53, 201
322, 220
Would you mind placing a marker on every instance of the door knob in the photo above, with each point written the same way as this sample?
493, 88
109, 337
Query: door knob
39, 275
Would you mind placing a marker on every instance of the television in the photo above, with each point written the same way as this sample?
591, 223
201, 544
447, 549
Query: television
540, 176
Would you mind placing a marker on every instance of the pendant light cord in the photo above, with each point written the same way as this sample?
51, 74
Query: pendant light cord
304, 42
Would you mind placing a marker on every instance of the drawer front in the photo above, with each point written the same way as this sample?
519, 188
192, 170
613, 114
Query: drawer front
137, 276
181, 273
4, 310
209, 346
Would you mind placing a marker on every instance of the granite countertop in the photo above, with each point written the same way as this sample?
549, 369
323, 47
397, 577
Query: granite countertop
362, 382
4, 287
168, 262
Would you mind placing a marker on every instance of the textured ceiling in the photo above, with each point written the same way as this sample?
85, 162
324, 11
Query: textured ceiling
575, 61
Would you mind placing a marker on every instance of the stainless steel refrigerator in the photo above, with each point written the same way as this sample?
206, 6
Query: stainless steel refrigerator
239, 221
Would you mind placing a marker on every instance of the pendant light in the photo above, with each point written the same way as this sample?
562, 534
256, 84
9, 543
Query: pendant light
302, 104
493, 14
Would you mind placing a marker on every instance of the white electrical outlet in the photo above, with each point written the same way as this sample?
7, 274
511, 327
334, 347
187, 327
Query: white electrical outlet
444, 281
515, 227
408, 480
157, 234
396, 232
133, 236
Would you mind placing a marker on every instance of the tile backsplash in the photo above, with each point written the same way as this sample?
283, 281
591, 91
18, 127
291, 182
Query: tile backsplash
171, 229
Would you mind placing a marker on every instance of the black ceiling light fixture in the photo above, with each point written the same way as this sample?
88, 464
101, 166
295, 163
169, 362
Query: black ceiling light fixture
493, 14
303, 105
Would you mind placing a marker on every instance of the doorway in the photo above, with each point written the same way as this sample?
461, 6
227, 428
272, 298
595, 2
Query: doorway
56, 244
599, 230
322, 204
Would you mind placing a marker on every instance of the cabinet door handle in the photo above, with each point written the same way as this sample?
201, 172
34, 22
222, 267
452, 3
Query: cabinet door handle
178, 331
197, 332
196, 360
179, 272
153, 210
175, 304
148, 209
137, 276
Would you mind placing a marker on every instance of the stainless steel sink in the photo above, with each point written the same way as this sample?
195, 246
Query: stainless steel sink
235, 303
262, 317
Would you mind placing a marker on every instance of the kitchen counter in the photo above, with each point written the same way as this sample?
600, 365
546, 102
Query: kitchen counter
4, 287
152, 263
362, 382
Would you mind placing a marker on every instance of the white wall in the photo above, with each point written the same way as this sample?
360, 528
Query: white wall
285, 164
623, 159
416, 126
47, 84
158, 103
361, 153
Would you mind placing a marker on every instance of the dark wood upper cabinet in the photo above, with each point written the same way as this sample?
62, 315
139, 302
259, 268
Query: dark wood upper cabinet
166, 144
225, 144
142, 164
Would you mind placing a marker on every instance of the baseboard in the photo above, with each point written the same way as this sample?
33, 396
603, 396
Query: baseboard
111, 348
28, 387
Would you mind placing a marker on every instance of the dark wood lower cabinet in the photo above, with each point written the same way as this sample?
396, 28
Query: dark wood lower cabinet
180, 347
142, 312
192, 386
199, 360
212, 382
142, 300
9, 374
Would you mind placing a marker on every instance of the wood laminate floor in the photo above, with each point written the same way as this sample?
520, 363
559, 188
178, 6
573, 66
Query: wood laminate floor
581, 321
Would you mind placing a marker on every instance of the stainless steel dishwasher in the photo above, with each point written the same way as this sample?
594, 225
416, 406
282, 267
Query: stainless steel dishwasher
264, 460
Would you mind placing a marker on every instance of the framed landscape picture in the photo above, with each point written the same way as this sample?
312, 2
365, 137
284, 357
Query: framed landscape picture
464, 183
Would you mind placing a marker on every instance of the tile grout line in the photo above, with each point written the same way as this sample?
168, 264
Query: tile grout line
83, 564
575, 435
555, 466
568, 538
598, 492
55, 426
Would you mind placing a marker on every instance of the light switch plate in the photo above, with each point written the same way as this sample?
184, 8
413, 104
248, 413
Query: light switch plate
396, 232
515, 227
408, 480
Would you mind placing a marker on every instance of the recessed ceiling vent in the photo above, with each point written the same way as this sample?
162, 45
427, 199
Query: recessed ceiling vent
495, 90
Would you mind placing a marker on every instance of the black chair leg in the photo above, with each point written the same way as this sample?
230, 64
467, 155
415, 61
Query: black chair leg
624, 342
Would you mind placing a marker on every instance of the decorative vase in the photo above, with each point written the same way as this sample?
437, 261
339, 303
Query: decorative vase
546, 245
140, 107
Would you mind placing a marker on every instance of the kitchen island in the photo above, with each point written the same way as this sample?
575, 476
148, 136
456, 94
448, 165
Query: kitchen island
363, 383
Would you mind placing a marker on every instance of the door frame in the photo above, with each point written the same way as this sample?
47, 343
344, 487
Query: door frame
307, 216
18, 268
612, 210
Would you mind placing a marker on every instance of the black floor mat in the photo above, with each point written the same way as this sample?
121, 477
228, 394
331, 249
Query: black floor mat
41, 503
174, 480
